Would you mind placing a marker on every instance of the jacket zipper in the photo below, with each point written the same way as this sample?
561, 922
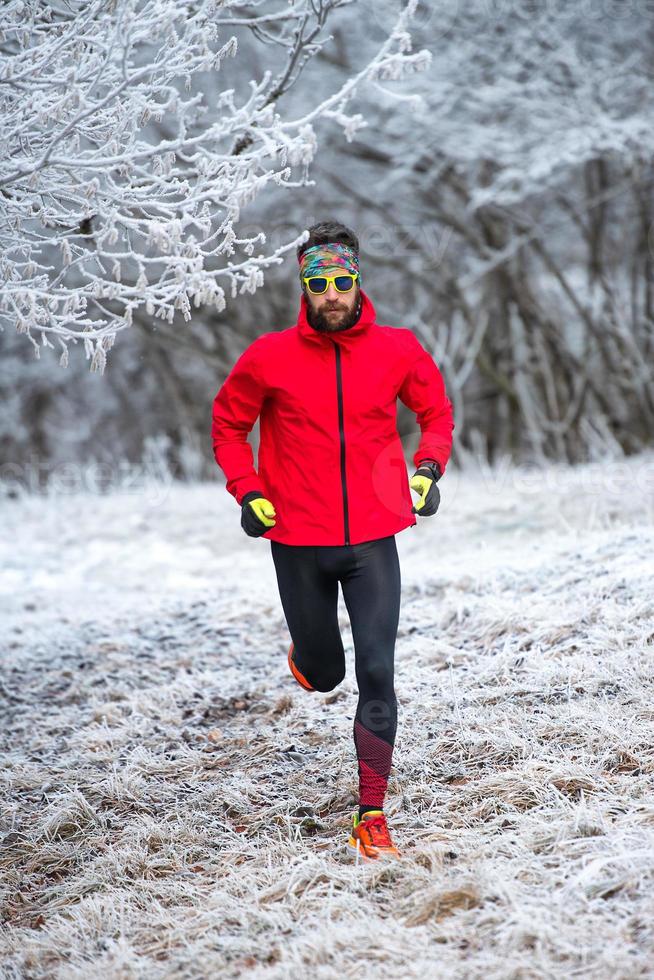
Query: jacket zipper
339, 392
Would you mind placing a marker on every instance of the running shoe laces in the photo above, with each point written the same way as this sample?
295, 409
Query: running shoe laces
378, 829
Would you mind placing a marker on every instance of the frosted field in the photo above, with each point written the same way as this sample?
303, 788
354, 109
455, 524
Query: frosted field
174, 804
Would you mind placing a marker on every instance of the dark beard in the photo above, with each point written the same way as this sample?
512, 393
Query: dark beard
320, 322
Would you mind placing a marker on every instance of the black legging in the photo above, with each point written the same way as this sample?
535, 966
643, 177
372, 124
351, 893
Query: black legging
369, 573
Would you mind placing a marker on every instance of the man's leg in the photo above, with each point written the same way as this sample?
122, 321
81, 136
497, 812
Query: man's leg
371, 590
309, 595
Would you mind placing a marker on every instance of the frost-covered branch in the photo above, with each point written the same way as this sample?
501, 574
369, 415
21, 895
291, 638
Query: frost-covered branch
99, 216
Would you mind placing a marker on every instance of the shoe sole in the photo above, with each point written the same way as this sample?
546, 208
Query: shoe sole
354, 846
302, 681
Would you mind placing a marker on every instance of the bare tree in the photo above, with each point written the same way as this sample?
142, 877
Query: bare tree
518, 240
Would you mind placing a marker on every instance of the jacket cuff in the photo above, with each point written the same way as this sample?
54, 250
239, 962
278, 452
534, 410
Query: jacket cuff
246, 484
433, 465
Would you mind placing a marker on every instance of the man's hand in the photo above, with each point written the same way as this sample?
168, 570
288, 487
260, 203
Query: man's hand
257, 514
424, 482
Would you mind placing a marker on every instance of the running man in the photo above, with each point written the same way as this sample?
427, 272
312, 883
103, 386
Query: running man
332, 489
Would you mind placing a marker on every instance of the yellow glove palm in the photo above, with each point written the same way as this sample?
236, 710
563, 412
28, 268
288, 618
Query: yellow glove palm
257, 514
421, 485
265, 510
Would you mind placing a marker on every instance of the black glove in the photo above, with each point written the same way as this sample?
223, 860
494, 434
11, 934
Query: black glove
257, 514
424, 482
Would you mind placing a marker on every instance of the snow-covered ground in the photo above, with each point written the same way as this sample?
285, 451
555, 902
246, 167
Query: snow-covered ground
175, 805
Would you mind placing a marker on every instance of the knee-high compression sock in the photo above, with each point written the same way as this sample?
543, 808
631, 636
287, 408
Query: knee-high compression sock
374, 757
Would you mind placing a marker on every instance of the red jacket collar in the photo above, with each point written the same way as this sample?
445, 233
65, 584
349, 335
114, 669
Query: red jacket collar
344, 337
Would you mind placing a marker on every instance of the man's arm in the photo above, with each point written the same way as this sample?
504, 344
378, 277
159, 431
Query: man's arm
423, 391
236, 408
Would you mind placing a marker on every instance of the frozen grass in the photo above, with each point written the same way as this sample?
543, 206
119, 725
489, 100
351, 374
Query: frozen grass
175, 805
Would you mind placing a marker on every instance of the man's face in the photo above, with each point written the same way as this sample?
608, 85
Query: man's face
331, 310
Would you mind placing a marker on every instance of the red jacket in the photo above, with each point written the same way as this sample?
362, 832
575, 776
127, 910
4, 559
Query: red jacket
330, 457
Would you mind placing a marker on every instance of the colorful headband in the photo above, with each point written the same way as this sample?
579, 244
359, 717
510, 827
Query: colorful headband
320, 259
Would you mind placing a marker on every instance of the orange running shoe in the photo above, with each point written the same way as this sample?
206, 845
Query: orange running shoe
370, 837
300, 678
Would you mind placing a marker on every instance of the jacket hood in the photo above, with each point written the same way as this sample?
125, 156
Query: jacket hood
343, 337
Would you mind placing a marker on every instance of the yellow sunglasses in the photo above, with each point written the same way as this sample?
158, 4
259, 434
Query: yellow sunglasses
343, 282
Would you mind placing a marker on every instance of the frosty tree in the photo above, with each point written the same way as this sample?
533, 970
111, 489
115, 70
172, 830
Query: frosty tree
101, 214
523, 223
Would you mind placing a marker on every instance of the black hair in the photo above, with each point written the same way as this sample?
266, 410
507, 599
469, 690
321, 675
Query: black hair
324, 232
